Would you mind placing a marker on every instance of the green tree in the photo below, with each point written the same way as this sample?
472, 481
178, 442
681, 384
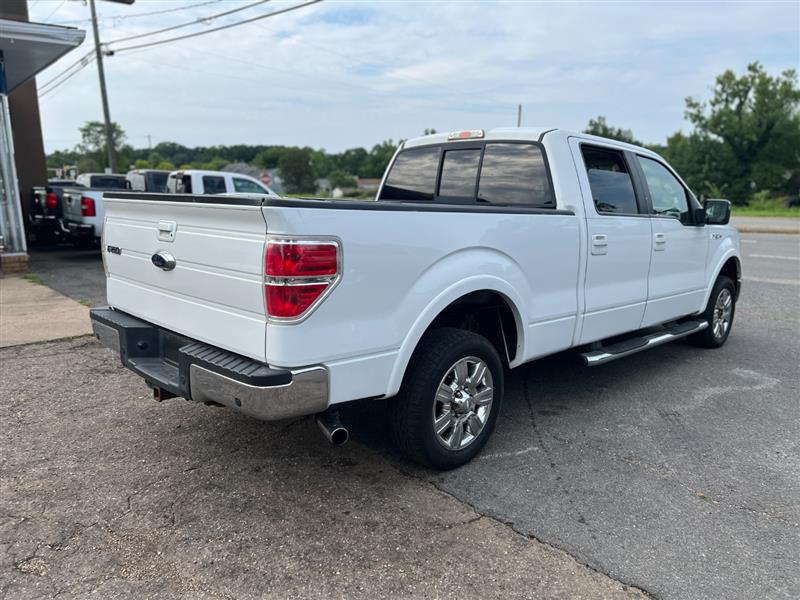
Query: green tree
703, 162
757, 117
341, 180
93, 141
600, 127
270, 157
297, 171
379, 158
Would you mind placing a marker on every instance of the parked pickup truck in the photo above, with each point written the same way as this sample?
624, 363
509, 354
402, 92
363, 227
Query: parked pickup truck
481, 252
148, 180
44, 219
201, 182
82, 206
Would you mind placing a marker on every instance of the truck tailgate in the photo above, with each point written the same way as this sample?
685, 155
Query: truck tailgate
214, 293
71, 204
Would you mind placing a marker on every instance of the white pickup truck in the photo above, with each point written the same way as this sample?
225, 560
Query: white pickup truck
481, 252
199, 182
82, 207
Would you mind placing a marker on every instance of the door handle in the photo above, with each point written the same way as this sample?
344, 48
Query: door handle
660, 241
599, 243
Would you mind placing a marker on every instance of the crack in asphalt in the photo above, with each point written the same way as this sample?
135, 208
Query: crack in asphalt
528, 536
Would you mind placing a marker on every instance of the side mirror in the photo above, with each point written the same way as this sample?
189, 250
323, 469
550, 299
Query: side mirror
718, 212
699, 217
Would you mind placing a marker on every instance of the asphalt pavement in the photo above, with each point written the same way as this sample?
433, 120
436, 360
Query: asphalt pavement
675, 471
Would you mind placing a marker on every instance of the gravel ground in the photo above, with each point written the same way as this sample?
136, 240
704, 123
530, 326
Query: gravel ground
105, 493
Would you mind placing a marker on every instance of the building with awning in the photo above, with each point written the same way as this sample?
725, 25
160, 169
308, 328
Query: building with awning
25, 50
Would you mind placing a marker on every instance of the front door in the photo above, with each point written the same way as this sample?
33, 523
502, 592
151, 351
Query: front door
677, 282
619, 241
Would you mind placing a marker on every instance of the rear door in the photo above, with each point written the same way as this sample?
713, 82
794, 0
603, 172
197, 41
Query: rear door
215, 291
619, 241
677, 282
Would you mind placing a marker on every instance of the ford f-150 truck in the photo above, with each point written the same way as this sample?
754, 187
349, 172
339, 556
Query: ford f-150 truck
481, 252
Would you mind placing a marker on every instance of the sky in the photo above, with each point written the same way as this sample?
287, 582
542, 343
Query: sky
338, 75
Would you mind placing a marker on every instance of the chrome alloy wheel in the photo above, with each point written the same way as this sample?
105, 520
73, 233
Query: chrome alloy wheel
463, 403
723, 309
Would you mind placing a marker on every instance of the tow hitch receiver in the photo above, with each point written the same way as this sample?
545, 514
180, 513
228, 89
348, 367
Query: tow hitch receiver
160, 394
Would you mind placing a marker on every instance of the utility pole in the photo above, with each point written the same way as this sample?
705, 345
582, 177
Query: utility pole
519, 115
109, 134
149, 142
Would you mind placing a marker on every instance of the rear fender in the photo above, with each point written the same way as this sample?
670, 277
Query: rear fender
454, 268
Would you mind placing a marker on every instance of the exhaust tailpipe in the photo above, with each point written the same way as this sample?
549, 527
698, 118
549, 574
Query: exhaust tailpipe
331, 425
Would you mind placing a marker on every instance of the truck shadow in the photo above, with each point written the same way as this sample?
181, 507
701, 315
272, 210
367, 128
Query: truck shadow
556, 391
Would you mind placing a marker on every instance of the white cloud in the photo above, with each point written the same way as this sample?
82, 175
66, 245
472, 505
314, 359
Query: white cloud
344, 74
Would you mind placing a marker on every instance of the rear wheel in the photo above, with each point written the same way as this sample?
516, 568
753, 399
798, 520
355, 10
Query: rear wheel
449, 400
719, 313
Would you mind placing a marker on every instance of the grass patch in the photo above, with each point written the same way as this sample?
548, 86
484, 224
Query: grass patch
766, 207
33, 278
85, 302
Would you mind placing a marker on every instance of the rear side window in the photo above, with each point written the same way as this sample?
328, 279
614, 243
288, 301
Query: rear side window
413, 175
213, 184
610, 181
515, 174
460, 173
247, 186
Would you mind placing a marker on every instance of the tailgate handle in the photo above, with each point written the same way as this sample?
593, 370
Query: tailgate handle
166, 230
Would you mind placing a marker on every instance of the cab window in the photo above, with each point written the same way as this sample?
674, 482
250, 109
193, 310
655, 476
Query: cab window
667, 195
610, 181
515, 174
246, 186
413, 175
460, 173
213, 184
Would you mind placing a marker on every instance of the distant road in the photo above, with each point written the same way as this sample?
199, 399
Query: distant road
766, 224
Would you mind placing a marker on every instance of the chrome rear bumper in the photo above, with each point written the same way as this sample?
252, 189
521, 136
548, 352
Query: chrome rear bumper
306, 394
203, 373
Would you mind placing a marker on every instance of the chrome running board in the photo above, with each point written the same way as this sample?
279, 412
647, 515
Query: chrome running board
633, 345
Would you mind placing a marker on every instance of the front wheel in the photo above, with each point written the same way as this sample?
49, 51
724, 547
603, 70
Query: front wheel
719, 313
449, 400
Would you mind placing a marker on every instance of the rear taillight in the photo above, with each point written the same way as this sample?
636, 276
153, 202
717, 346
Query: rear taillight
299, 273
51, 201
87, 207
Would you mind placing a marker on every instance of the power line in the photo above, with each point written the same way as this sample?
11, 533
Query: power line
80, 60
228, 26
164, 11
54, 11
54, 87
188, 23
143, 14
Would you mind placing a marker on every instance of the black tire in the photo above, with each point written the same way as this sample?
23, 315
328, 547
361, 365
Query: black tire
413, 411
711, 337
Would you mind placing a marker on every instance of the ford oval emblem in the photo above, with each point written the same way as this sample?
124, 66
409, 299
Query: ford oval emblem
163, 260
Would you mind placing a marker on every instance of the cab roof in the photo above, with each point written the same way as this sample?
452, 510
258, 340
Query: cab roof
528, 134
